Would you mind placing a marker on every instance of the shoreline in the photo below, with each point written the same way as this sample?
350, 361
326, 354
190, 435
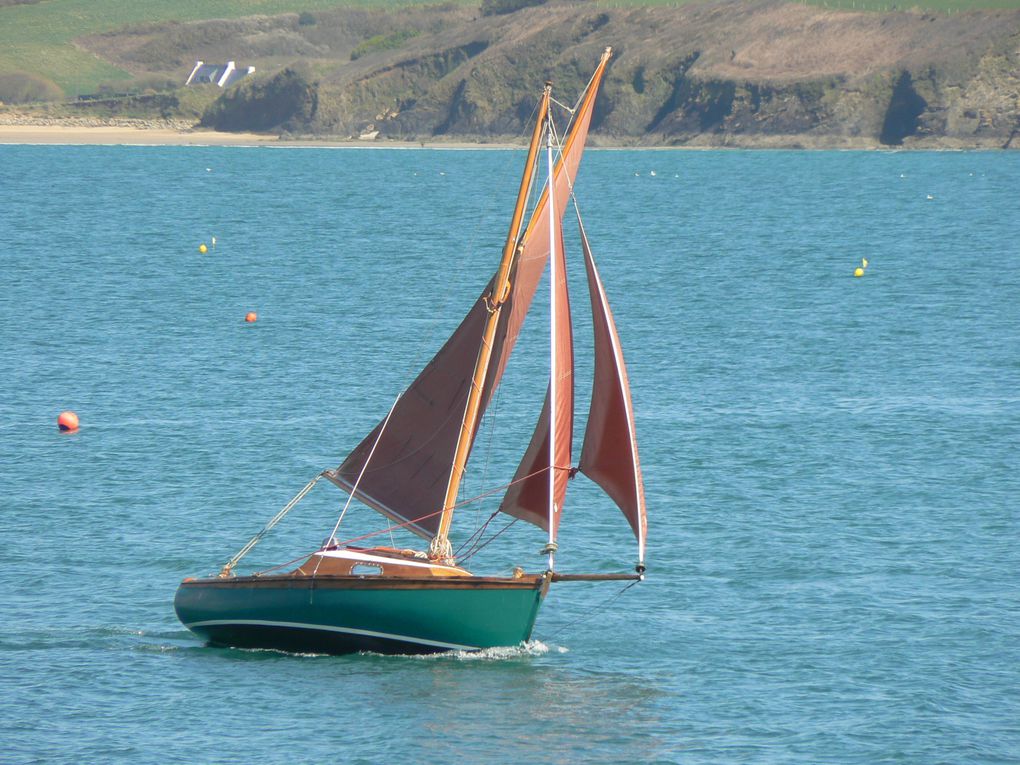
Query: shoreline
167, 135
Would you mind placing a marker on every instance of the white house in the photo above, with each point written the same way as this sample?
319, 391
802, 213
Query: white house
217, 74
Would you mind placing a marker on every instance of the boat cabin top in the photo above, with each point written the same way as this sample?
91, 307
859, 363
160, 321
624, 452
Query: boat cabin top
374, 561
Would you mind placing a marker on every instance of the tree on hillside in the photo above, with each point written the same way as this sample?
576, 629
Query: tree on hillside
23, 88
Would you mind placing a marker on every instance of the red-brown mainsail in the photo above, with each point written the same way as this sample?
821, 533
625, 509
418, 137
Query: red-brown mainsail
414, 454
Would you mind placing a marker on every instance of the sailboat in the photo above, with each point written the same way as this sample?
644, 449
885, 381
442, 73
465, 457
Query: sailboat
344, 598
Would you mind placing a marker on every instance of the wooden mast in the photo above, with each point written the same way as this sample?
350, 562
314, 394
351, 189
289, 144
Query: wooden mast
494, 302
440, 546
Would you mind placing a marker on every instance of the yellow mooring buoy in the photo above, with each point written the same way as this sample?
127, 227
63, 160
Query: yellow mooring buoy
858, 271
203, 249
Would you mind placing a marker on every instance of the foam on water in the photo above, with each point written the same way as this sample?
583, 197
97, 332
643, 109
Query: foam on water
530, 649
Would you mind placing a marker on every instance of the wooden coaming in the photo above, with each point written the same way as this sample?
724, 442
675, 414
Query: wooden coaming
398, 570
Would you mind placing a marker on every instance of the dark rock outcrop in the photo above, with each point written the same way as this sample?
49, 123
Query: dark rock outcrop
285, 101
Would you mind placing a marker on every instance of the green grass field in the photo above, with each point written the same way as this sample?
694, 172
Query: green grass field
942, 6
39, 38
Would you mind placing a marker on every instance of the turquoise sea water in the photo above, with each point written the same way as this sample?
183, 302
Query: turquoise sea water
831, 462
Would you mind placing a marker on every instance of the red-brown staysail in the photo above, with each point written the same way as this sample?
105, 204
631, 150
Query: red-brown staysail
528, 495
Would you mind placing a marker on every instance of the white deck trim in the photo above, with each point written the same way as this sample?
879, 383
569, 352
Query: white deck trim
350, 555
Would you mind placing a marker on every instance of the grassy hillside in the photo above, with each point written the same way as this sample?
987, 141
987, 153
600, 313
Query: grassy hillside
944, 6
39, 38
709, 73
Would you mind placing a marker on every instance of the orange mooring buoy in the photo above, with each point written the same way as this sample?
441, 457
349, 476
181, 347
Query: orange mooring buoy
67, 422
251, 316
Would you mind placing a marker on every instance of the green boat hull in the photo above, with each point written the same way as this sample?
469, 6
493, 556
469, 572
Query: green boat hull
345, 614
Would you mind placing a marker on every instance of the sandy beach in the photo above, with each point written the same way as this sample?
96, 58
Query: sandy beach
17, 130
126, 135
113, 135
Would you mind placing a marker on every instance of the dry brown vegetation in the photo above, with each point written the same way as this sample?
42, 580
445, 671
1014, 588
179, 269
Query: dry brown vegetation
716, 73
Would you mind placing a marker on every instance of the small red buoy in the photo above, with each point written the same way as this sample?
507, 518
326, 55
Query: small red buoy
67, 422
251, 316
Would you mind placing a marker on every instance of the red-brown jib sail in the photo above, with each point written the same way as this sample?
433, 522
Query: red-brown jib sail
609, 455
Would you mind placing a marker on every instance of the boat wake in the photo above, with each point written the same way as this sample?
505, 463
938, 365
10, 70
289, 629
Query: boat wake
175, 641
529, 649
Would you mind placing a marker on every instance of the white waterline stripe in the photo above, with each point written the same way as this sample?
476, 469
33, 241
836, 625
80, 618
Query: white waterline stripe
330, 628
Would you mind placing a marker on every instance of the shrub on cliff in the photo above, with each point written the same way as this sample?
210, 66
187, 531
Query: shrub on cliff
501, 7
23, 88
383, 42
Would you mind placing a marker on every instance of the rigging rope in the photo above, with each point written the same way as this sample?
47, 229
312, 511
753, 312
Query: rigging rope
228, 568
364, 467
584, 617
479, 547
475, 535
483, 495
361, 473
564, 107
577, 105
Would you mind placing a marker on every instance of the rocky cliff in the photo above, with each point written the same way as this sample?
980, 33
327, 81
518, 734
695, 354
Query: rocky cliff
729, 73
